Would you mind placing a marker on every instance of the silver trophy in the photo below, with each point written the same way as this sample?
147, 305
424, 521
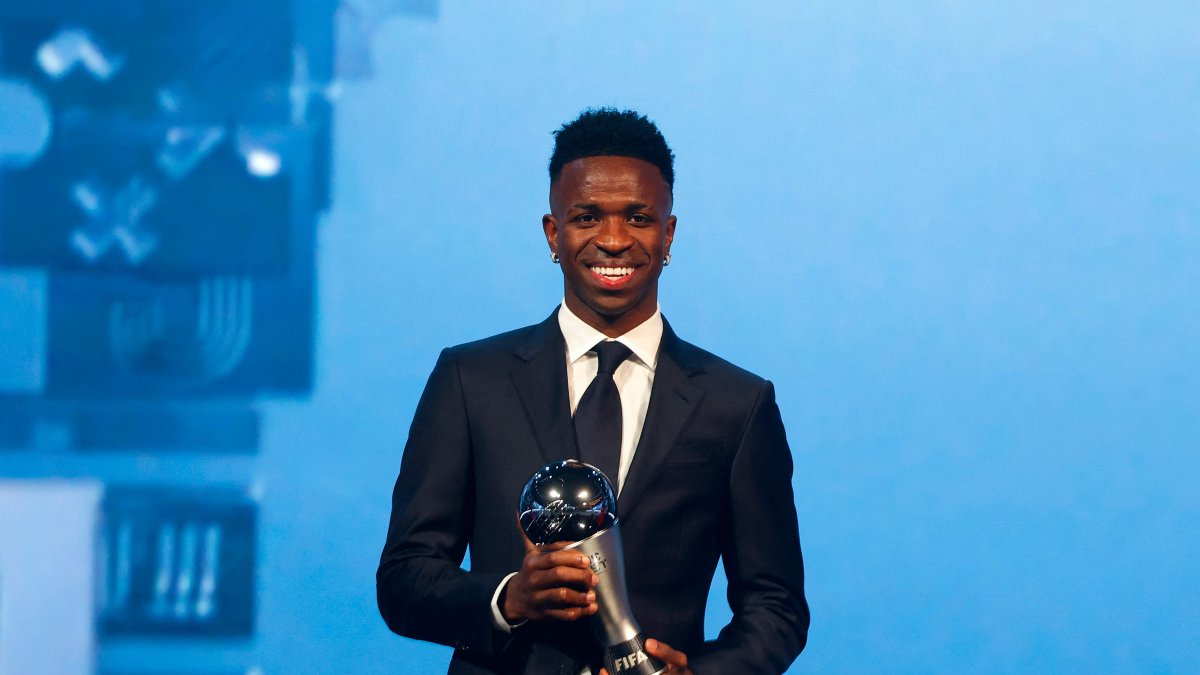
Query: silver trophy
572, 501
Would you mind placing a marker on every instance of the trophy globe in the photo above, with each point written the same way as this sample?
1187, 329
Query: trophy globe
567, 501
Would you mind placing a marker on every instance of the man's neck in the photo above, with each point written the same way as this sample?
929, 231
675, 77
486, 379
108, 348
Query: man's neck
615, 326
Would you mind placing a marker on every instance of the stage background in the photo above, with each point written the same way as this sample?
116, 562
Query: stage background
963, 240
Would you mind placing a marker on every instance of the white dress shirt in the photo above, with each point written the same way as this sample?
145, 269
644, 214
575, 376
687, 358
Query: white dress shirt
634, 379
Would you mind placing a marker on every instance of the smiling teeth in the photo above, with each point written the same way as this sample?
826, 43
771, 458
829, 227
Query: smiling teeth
613, 271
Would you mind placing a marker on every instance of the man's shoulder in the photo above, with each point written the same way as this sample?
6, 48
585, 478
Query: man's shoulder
691, 356
513, 343
525, 342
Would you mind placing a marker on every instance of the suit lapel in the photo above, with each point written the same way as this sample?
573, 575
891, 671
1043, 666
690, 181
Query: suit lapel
540, 378
673, 398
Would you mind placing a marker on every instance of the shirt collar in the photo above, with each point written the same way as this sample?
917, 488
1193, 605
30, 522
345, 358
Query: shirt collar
642, 340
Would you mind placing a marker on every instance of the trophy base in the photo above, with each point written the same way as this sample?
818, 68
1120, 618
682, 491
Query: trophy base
630, 658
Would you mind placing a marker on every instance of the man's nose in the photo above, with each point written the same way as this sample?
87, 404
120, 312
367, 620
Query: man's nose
614, 236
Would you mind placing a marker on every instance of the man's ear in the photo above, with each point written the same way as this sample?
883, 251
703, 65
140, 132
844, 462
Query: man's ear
550, 227
669, 234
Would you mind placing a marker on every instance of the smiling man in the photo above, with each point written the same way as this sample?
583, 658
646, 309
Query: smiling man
695, 446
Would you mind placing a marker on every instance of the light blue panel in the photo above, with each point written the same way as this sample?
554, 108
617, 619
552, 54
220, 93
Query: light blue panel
49, 547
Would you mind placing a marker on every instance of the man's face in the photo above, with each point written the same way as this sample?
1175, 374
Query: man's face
611, 225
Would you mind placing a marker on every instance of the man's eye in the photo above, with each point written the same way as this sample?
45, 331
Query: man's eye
587, 218
639, 218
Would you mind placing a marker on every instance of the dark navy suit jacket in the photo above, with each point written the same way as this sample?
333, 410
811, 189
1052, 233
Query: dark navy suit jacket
711, 479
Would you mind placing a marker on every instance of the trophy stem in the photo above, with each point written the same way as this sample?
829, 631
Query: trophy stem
614, 625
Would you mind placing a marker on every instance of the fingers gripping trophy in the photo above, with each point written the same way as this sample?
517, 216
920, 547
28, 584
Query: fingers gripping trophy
575, 502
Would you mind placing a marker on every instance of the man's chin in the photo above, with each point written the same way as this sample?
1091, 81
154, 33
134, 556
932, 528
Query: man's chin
611, 313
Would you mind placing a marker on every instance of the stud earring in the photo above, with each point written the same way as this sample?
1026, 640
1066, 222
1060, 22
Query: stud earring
553, 257
667, 259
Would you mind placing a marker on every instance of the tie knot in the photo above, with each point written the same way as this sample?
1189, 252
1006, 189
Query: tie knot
612, 354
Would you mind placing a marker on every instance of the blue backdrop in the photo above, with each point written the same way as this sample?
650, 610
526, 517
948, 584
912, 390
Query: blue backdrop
963, 239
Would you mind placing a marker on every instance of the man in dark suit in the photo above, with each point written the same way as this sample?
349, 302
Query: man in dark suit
703, 468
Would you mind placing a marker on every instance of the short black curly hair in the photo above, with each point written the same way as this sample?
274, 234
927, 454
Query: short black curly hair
600, 132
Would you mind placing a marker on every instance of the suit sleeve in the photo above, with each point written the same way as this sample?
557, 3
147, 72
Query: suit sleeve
760, 547
422, 590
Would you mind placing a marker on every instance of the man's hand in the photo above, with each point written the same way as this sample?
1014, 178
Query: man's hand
676, 660
551, 584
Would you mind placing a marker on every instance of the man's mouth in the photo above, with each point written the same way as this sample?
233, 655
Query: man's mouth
611, 274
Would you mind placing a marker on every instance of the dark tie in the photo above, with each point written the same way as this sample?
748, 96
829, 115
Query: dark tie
598, 416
